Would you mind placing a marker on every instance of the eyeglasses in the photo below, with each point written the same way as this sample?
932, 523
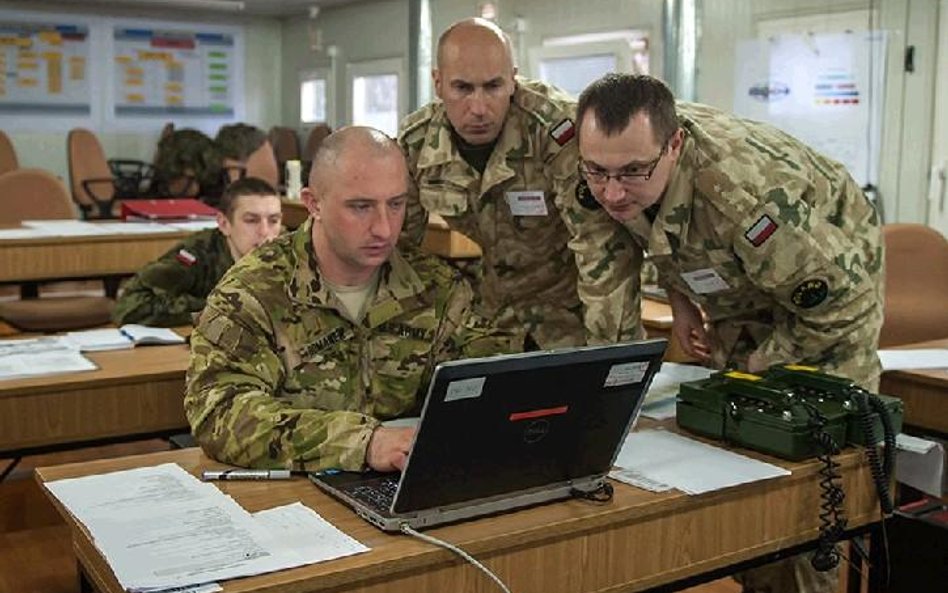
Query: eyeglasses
641, 172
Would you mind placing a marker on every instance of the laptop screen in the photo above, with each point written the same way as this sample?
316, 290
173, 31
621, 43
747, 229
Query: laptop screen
493, 426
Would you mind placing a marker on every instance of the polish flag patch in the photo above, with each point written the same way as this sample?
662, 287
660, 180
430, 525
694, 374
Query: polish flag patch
563, 132
761, 230
186, 257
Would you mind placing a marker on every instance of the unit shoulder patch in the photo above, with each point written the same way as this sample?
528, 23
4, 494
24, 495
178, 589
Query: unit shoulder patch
810, 293
585, 196
186, 257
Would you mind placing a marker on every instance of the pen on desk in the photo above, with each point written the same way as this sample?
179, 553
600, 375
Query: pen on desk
246, 474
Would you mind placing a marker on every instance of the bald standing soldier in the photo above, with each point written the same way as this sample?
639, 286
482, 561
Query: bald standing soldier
496, 157
775, 242
312, 341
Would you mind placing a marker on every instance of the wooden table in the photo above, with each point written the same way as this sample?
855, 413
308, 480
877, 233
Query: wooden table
925, 393
638, 541
95, 256
134, 392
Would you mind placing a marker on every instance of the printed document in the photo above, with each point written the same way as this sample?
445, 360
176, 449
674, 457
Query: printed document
40, 356
160, 527
663, 392
667, 458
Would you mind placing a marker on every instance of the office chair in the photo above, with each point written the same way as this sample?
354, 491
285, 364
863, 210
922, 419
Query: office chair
31, 194
916, 285
260, 164
8, 160
314, 139
98, 183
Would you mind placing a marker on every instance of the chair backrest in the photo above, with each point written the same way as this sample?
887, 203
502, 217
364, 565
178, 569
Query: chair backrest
87, 162
262, 164
916, 285
8, 160
315, 138
286, 144
33, 194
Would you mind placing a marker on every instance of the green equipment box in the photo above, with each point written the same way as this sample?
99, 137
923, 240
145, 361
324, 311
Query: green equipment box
780, 411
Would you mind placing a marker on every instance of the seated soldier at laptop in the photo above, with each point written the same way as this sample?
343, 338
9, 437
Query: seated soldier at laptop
307, 344
169, 290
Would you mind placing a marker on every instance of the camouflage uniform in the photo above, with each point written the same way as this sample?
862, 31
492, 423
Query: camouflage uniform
775, 242
279, 377
528, 277
167, 291
782, 250
185, 158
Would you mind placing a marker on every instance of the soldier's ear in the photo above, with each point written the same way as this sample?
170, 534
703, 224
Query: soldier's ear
312, 202
223, 224
436, 81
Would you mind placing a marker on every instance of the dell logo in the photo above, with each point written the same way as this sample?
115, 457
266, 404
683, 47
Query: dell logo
535, 431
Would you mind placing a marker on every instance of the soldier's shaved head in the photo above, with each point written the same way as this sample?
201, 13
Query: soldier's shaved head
361, 141
473, 34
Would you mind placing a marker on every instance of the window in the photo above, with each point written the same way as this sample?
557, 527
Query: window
377, 94
316, 96
574, 61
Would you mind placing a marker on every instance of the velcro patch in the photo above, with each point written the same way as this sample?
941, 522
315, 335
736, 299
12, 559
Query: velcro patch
761, 230
563, 132
186, 257
810, 293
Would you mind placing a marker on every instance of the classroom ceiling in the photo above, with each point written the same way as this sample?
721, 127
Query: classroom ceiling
273, 8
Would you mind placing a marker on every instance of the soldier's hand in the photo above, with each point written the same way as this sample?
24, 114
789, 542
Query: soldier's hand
388, 448
688, 327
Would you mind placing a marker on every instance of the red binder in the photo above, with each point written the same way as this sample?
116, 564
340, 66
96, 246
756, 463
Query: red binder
184, 208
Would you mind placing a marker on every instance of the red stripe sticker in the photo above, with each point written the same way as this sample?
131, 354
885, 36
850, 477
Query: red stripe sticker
538, 413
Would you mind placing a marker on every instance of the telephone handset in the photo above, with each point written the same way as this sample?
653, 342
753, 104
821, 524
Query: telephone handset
797, 412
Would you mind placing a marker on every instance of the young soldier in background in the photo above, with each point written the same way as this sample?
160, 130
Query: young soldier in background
167, 291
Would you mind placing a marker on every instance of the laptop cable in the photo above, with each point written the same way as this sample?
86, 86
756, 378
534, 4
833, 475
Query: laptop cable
406, 529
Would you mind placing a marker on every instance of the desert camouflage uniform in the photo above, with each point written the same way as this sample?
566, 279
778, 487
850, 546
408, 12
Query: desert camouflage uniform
528, 277
168, 290
796, 254
281, 378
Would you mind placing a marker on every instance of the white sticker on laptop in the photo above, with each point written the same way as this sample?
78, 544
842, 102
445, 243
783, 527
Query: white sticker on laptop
626, 373
465, 389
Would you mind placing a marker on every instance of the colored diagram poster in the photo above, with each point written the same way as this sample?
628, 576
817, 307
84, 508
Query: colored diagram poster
174, 73
826, 90
45, 69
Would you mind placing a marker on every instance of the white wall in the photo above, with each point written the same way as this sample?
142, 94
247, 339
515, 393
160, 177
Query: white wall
364, 31
263, 87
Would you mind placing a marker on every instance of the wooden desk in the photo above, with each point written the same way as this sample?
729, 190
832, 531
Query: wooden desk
134, 392
59, 258
639, 540
925, 393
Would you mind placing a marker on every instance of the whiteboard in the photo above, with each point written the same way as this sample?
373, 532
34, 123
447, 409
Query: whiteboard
825, 89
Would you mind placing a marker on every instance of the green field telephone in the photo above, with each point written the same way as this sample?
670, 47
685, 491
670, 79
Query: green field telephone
797, 412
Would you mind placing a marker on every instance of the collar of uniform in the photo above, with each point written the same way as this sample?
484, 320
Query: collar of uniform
219, 245
675, 212
398, 281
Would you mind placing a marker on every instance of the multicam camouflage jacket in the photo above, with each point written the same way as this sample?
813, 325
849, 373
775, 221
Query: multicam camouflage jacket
545, 256
776, 243
168, 290
281, 378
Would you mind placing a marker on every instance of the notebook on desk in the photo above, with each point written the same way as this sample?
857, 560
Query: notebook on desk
506, 432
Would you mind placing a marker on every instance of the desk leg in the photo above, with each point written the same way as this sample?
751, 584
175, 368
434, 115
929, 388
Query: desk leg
85, 585
873, 571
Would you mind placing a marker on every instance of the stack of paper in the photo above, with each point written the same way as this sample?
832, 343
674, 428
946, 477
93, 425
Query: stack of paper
921, 358
40, 356
159, 527
658, 460
663, 392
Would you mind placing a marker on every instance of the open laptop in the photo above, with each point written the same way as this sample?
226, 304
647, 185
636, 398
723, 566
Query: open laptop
504, 432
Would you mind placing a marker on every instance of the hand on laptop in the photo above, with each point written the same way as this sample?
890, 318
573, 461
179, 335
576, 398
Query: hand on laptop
388, 448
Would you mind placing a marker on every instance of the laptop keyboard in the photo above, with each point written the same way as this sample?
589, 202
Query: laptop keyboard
378, 495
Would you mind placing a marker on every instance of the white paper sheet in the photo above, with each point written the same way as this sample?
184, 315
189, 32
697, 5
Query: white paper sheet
194, 225
39, 357
159, 527
135, 228
143, 335
660, 398
924, 358
920, 463
96, 340
688, 465
65, 228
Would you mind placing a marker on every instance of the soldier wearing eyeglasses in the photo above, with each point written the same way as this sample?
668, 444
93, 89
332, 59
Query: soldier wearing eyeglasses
496, 156
774, 242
